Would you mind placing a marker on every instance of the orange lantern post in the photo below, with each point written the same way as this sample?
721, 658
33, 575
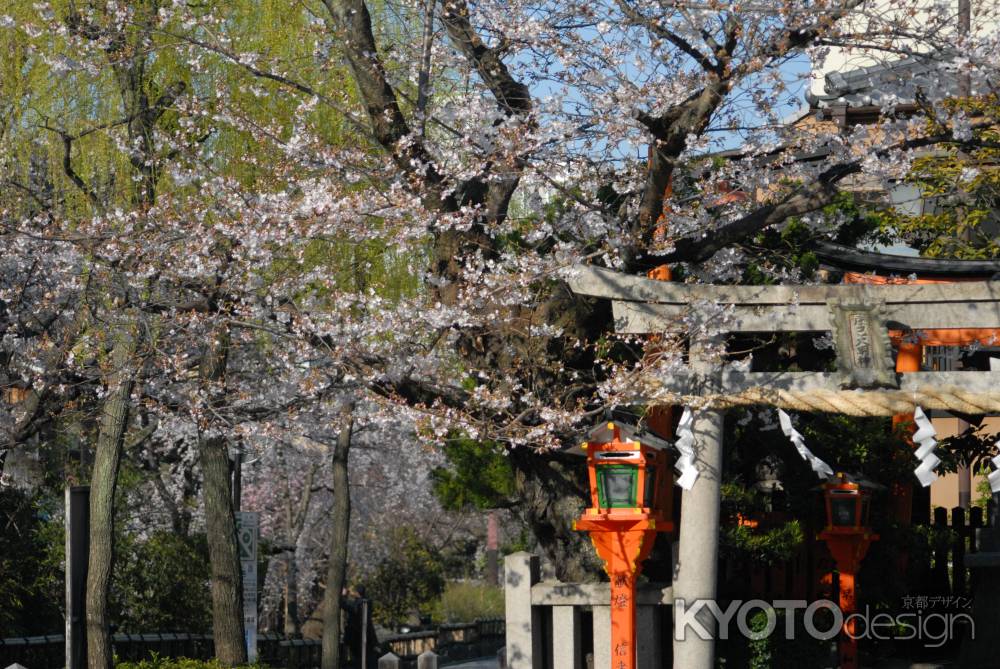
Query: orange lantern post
629, 487
848, 535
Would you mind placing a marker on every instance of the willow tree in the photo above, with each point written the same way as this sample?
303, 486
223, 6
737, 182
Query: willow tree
129, 163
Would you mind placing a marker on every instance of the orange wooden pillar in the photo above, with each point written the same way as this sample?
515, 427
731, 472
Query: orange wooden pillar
660, 418
909, 357
623, 552
848, 551
847, 644
848, 535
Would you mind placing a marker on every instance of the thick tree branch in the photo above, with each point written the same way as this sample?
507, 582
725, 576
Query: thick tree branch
512, 96
391, 130
671, 129
807, 198
354, 21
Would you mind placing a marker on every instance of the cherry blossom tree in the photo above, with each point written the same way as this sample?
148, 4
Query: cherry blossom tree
508, 139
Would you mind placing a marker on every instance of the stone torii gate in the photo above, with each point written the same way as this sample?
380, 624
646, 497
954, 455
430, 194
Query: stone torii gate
865, 384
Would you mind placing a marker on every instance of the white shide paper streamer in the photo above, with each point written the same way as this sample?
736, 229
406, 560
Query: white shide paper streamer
685, 444
821, 468
924, 436
994, 476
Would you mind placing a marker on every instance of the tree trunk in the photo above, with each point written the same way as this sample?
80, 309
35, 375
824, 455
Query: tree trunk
337, 565
220, 520
551, 497
114, 418
223, 554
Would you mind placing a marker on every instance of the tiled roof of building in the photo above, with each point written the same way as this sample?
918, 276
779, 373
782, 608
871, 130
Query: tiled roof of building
886, 84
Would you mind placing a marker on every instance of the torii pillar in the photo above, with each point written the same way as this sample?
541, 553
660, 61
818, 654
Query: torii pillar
696, 574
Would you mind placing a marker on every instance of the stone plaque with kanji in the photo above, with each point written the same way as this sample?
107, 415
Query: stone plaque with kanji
864, 354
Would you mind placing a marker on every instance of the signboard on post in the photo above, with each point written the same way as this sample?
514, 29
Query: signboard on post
247, 535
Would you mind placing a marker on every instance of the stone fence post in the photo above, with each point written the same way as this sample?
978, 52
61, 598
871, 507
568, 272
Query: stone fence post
524, 638
390, 661
427, 660
566, 627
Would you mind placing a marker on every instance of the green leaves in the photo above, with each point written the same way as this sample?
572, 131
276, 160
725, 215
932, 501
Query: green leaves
764, 546
157, 662
478, 476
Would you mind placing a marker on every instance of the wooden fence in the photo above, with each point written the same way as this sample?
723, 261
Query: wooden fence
951, 541
941, 571
450, 642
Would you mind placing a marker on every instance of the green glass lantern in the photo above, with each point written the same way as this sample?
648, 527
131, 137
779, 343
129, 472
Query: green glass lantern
616, 486
627, 477
843, 508
848, 504
623, 482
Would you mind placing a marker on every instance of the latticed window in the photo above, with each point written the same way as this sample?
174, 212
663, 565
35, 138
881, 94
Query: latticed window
941, 358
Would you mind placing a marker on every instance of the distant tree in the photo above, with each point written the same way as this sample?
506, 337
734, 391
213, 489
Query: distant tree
407, 581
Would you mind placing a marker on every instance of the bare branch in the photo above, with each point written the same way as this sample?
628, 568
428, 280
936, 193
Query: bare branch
662, 32
67, 164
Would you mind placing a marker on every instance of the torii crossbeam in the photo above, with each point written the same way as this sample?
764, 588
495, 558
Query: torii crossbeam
860, 317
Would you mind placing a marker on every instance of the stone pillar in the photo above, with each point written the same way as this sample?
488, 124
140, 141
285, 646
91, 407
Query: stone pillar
566, 637
524, 629
697, 559
602, 637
